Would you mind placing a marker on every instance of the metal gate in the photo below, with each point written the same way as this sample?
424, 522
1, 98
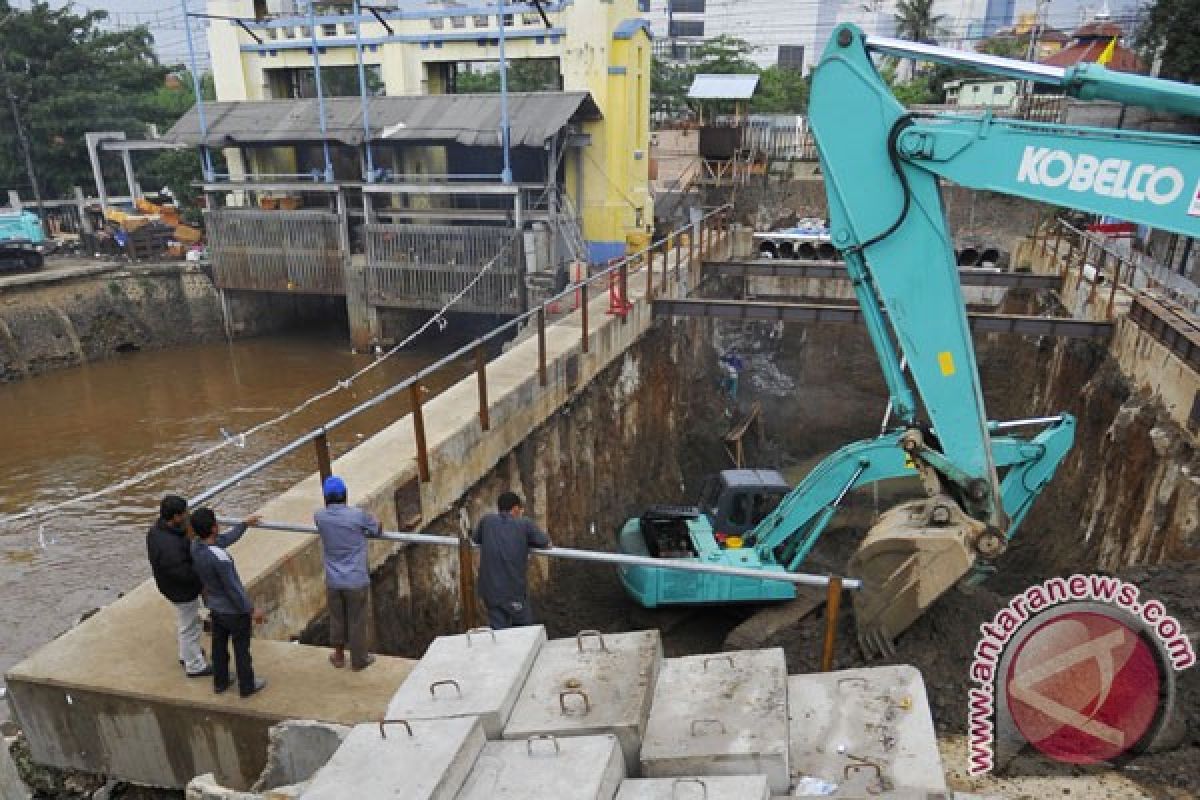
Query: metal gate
277, 251
426, 266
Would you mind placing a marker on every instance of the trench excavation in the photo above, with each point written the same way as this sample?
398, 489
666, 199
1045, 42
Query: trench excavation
652, 427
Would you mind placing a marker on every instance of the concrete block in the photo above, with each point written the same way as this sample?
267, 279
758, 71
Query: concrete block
842, 720
708, 787
206, 787
720, 714
591, 684
416, 760
547, 768
296, 749
476, 674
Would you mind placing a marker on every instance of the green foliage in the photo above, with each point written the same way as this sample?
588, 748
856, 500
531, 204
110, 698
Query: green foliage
916, 21
524, 75
780, 91
1005, 46
725, 55
68, 76
923, 89
1174, 27
669, 86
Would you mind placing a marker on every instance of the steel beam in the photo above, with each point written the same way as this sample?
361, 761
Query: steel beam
836, 270
845, 315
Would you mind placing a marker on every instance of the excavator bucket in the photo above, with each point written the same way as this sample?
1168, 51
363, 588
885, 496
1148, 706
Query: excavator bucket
912, 555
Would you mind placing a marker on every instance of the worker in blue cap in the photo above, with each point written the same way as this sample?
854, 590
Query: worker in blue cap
344, 530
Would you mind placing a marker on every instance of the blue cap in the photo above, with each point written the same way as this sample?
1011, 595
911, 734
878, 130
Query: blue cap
333, 486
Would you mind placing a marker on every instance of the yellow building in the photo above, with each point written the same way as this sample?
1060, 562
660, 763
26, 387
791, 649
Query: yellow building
261, 52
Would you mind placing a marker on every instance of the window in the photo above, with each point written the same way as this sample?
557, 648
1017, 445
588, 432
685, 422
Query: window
329, 30
791, 56
975, 89
458, 22
437, 23
687, 7
480, 20
508, 20
272, 33
306, 32
997, 90
350, 28
687, 27
530, 19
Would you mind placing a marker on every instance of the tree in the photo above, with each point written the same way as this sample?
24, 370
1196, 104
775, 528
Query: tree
725, 55
1171, 30
66, 77
1005, 46
524, 75
668, 87
916, 21
781, 90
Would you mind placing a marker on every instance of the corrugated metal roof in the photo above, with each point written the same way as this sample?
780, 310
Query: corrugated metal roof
723, 87
626, 28
470, 119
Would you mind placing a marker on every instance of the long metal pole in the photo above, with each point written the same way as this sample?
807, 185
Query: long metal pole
312, 32
196, 87
506, 173
572, 554
362, 91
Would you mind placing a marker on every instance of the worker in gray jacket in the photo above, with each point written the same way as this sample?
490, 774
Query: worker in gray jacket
505, 539
344, 530
233, 615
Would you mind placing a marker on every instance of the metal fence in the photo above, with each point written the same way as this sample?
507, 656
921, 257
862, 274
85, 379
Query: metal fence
425, 266
277, 251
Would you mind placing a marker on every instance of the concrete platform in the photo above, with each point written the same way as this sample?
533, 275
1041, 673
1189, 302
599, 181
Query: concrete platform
476, 675
864, 731
416, 760
111, 693
720, 714
591, 684
708, 787
573, 768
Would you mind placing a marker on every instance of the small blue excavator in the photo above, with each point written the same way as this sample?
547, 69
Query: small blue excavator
882, 164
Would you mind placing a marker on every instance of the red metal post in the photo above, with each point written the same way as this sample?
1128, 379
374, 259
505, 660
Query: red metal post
623, 283
485, 421
324, 463
833, 604
541, 323
414, 393
583, 288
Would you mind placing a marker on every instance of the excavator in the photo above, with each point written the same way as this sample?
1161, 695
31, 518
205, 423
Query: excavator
882, 165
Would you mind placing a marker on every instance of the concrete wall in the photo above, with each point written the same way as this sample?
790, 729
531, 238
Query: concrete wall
67, 317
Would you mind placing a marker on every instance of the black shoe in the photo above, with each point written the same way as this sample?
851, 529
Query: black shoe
204, 673
219, 688
259, 685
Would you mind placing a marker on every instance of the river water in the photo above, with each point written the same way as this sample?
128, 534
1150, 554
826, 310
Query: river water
66, 433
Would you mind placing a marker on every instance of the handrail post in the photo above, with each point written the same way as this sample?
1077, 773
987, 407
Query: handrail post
324, 463
833, 604
414, 393
485, 421
1112, 292
623, 284
1046, 239
666, 277
583, 320
648, 263
678, 250
541, 324
692, 250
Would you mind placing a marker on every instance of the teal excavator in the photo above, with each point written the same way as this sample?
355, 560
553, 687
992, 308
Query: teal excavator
882, 165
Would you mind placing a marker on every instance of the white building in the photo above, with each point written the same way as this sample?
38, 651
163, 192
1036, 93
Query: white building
795, 31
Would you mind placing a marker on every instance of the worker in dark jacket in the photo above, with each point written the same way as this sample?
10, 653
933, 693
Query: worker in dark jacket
233, 615
169, 550
505, 539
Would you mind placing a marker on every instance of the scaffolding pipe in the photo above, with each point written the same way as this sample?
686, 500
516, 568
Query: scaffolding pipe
196, 87
362, 91
506, 173
572, 554
312, 32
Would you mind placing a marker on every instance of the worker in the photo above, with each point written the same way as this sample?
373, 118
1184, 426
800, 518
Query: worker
169, 551
233, 615
505, 539
344, 531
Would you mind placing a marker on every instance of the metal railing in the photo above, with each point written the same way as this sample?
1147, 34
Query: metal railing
615, 278
279, 251
425, 266
1075, 249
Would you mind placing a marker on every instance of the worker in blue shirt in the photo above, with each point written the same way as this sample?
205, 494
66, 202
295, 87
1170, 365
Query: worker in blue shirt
233, 615
344, 530
505, 539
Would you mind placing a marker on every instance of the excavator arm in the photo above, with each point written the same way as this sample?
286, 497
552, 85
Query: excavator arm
882, 167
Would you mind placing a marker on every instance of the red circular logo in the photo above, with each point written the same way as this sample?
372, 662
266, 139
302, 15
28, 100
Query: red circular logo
1083, 687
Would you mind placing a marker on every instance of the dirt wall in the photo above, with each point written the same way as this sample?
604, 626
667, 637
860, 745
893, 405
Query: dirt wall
50, 321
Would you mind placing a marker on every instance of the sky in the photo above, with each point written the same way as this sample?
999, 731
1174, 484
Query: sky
165, 19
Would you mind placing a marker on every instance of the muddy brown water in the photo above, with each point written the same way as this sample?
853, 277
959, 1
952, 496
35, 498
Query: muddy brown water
66, 433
